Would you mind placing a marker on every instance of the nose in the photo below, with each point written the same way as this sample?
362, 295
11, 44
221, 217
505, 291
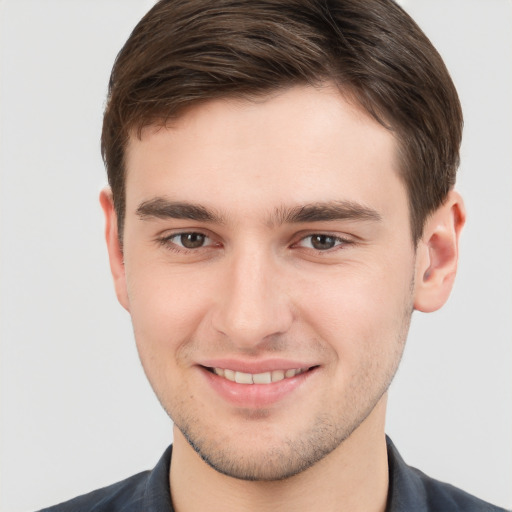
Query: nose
253, 306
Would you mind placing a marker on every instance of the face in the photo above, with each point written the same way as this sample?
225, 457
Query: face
268, 270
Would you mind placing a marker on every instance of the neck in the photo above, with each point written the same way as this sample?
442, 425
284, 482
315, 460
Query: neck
352, 478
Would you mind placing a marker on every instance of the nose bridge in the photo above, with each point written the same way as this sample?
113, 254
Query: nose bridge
253, 305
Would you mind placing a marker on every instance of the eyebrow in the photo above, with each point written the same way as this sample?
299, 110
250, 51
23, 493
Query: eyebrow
328, 211
162, 208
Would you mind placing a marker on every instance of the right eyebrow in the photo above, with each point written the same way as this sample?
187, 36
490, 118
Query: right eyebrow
161, 208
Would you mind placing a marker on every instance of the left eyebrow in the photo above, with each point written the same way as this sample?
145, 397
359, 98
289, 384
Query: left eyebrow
329, 211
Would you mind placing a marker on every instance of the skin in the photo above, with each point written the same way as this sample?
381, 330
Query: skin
259, 283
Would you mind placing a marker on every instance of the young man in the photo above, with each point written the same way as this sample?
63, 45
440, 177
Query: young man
281, 200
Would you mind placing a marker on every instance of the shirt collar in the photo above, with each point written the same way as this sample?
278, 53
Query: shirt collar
157, 494
405, 493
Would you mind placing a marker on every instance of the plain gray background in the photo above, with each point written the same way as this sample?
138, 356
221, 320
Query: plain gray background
76, 410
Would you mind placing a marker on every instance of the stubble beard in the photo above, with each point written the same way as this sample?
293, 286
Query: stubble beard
276, 459
289, 456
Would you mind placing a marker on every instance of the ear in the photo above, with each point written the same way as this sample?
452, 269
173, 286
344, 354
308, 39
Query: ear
438, 253
115, 252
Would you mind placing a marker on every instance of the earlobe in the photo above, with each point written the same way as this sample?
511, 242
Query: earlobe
437, 254
115, 253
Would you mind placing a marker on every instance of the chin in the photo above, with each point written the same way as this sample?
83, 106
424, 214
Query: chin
268, 458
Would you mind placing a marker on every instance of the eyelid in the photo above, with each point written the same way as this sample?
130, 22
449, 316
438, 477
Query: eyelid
341, 240
167, 238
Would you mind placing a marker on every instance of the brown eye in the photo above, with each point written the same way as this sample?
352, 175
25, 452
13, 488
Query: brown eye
323, 242
187, 241
192, 240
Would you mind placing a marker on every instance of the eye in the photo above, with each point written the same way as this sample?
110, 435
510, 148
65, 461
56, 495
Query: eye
322, 242
187, 240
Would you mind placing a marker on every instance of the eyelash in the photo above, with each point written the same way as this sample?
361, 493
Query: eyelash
167, 242
339, 242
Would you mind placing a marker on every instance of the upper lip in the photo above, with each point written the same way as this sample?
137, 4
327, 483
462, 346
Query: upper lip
255, 367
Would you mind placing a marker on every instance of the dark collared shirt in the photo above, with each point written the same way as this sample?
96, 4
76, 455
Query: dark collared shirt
409, 491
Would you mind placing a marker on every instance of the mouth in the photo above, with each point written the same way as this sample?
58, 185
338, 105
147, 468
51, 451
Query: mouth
250, 385
268, 377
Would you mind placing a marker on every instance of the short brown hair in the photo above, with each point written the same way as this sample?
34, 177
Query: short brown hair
184, 52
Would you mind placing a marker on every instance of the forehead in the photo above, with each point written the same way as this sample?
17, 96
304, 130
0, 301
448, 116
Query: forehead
301, 145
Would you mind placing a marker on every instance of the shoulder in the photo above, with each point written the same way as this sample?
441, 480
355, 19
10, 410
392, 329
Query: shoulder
446, 497
125, 495
144, 492
411, 489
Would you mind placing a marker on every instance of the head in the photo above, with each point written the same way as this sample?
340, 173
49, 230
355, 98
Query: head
281, 175
187, 52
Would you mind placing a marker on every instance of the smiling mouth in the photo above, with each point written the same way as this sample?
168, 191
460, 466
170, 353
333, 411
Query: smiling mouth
258, 378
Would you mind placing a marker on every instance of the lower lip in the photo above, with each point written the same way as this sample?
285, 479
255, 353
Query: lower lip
255, 396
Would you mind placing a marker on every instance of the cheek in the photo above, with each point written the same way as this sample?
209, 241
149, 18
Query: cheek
360, 311
166, 306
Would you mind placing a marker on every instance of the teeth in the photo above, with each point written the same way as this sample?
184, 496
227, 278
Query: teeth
278, 375
257, 378
230, 375
243, 378
262, 378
